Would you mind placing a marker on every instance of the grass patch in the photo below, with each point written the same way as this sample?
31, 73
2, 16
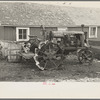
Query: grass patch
95, 50
96, 53
94, 43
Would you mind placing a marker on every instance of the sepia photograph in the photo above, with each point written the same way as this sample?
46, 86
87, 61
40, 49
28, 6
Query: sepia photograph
49, 49
53, 41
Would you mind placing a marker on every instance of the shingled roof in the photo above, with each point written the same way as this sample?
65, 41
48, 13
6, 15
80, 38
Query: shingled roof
47, 15
87, 16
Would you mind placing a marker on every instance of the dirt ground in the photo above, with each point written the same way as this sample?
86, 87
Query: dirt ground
71, 71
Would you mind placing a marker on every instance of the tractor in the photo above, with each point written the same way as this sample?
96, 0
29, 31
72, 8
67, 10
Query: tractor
58, 44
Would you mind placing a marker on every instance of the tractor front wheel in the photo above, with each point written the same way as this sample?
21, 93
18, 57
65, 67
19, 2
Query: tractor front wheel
85, 56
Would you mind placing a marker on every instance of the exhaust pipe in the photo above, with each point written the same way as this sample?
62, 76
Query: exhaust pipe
82, 27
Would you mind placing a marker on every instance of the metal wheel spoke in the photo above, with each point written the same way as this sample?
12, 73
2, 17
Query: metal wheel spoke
85, 56
83, 59
45, 64
43, 53
49, 53
89, 59
88, 56
42, 61
54, 63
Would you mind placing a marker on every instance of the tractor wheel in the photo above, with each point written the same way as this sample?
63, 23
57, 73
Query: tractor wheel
85, 56
50, 56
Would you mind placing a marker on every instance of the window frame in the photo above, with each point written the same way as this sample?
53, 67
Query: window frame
93, 36
17, 34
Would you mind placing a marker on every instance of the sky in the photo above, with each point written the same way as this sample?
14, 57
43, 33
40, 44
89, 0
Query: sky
93, 4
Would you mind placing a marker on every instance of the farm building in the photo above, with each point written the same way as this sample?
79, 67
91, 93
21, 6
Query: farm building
90, 17
19, 20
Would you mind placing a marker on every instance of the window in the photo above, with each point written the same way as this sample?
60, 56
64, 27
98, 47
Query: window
92, 32
22, 34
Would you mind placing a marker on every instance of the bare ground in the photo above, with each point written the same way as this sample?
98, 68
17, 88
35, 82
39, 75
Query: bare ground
71, 71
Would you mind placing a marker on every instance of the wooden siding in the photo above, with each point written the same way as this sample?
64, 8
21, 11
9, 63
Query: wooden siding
48, 29
37, 31
98, 34
10, 33
1, 33
86, 29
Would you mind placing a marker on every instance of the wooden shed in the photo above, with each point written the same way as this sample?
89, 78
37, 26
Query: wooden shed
18, 20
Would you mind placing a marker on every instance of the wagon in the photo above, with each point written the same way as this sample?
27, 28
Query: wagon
59, 44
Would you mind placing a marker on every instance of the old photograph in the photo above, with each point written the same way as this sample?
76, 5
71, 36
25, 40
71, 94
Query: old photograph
49, 41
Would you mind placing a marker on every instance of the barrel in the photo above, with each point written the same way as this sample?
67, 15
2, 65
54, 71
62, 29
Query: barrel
13, 56
4, 49
4, 52
10, 50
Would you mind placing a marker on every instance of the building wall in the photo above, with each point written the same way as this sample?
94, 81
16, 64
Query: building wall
86, 29
1, 33
9, 32
37, 31
48, 29
98, 34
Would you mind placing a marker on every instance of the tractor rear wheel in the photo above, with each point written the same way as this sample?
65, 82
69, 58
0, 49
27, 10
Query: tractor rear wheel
50, 56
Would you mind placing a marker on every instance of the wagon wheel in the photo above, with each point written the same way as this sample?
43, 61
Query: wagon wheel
50, 55
85, 56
